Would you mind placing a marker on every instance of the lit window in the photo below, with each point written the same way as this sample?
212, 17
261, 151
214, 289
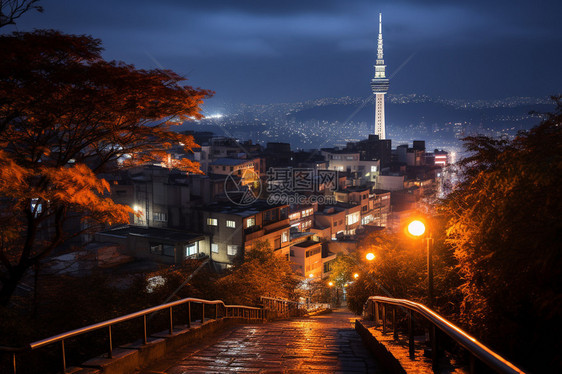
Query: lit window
214, 248
212, 222
191, 249
231, 250
36, 207
231, 224
352, 218
284, 237
250, 222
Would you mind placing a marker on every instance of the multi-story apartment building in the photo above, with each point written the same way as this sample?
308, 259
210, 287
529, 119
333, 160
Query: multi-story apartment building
307, 256
233, 229
160, 245
159, 197
350, 161
379, 208
214, 148
235, 166
330, 222
301, 217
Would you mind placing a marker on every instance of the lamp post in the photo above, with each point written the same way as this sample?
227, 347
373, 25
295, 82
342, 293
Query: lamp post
332, 284
417, 228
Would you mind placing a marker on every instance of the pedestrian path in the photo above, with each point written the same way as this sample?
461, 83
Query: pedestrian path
321, 344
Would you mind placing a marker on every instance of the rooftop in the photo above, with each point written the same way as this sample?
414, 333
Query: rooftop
156, 233
240, 210
306, 244
354, 189
379, 191
229, 161
340, 151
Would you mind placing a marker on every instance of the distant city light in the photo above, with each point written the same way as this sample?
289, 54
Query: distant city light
217, 115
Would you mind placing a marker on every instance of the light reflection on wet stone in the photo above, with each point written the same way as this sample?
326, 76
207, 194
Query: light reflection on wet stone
322, 344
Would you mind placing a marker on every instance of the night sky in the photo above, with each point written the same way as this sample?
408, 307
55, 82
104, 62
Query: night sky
272, 51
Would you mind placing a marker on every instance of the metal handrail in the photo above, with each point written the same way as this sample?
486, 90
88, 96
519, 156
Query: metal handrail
477, 349
279, 300
253, 313
97, 326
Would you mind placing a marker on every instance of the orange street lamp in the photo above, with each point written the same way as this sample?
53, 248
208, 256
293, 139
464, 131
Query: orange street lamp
356, 275
370, 256
417, 228
330, 284
311, 275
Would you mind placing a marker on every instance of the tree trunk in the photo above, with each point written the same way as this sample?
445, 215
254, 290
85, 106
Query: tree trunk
10, 284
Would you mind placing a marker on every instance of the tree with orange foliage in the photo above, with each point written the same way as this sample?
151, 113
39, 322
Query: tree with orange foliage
67, 115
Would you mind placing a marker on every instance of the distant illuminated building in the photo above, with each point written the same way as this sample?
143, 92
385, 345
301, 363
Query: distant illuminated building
459, 130
380, 84
441, 158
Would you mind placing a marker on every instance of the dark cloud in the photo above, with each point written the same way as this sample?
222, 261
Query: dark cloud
290, 50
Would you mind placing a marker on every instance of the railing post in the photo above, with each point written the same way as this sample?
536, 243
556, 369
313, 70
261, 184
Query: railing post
411, 335
145, 340
202, 313
189, 314
171, 322
394, 327
376, 313
14, 363
383, 319
434, 353
110, 352
216, 311
63, 356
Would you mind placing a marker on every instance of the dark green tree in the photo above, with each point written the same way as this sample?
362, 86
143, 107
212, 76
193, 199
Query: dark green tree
505, 224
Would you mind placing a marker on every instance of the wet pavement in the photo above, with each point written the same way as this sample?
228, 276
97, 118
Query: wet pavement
320, 344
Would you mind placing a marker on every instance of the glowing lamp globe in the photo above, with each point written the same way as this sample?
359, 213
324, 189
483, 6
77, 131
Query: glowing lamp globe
370, 256
416, 228
355, 275
330, 284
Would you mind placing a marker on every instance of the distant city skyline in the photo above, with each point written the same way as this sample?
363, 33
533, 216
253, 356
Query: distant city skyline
268, 52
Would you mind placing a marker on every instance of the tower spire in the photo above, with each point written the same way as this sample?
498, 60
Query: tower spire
379, 85
379, 41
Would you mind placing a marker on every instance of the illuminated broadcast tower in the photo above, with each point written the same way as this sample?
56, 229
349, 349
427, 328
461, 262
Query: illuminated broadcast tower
379, 84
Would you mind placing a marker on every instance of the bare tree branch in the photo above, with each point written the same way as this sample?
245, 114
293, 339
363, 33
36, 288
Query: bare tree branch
10, 10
